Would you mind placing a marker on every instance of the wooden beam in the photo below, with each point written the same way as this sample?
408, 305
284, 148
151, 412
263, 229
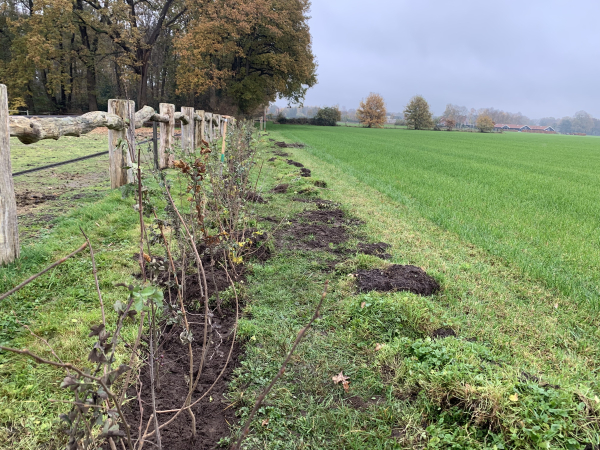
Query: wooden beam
9, 230
121, 143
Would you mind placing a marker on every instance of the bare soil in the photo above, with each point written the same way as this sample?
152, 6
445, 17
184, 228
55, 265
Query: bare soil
397, 278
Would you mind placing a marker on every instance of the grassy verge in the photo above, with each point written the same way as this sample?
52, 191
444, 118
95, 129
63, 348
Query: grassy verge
60, 305
521, 372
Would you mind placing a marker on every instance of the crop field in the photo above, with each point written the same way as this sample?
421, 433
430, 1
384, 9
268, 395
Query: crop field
530, 199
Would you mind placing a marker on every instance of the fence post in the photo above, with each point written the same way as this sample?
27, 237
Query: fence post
119, 142
167, 135
217, 128
155, 145
9, 230
187, 131
199, 124
208, 120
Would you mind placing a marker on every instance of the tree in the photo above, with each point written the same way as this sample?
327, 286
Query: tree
328, 116
485, 123
250, 51
372, 112
565, 125
417, 114
583, 122
450, 123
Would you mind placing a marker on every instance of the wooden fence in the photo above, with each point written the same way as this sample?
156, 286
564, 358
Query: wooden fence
121, 121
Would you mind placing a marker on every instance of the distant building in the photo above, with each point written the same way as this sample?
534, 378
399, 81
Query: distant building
524, 128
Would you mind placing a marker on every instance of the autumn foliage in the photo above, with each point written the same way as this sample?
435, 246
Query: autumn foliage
485, 124
372, 112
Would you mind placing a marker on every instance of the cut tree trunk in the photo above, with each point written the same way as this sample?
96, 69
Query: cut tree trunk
187, 129
9, 231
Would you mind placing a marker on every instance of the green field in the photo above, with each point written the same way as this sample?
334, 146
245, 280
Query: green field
530, 199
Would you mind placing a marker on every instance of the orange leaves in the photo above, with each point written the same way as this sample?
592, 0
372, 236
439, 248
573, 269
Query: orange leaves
341, 378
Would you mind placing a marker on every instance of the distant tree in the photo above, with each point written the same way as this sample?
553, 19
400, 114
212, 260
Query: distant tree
400, 122
372, 112
565, 126
328, 116
417, 113
450, 123
548, 122
485, 123
582, 122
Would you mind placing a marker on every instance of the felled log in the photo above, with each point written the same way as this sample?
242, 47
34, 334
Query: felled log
34, 129
182, 117
147, 114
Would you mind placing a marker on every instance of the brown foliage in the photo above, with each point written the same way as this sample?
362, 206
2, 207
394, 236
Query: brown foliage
372, 112
485, 123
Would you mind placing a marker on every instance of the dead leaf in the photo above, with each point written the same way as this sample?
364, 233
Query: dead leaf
340, 378
362, 305
556, 306
514, 398
265, 422
378, 347
147, 257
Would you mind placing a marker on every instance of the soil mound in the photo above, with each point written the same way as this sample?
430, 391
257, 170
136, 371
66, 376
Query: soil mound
280, 189
378, 249
397, 278
442, 333
294, 163
304, 172
292, 145
254, 197
32, 198
280, 153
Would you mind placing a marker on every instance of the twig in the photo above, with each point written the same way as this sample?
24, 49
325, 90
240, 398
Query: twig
151, 344
51, 266
95, 272
40, 338
141, 211
262, 396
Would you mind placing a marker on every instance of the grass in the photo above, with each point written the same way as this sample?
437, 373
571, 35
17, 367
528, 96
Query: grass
521, 373
530, 199
60, 305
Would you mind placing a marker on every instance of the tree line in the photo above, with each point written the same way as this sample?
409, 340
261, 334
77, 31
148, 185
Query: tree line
228, 56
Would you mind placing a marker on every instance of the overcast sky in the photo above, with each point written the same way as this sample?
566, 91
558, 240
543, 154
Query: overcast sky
540, 58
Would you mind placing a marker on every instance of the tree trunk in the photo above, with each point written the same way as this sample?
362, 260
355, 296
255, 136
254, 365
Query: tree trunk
9, 231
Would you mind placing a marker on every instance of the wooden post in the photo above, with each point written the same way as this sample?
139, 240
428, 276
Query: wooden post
199, 128
167, 136
217, 128
155, 144
208, 120
187, 131
119, 142
9, 230
261, 124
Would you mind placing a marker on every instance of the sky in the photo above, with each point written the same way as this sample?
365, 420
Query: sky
540, 58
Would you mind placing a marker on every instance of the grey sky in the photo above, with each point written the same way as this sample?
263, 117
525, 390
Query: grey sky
541, 58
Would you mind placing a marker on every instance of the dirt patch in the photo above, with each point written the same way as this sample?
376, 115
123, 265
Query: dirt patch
292, 145
280, 153
304, 172
320, 183
28, 198
377, 249
361, 404
317, 230
254, 197
442, 333
272, 159
213, 417
397, 278
294, 163
319, 202
280, 188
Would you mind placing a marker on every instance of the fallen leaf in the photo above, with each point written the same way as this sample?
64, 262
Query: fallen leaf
514, 398
378, 347
147, 257
340, 378
596, 399
556, 306
265, 422
362, 305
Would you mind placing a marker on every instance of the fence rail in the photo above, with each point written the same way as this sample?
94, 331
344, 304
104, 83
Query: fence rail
121, 121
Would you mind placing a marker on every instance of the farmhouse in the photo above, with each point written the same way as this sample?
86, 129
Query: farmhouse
524, 128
